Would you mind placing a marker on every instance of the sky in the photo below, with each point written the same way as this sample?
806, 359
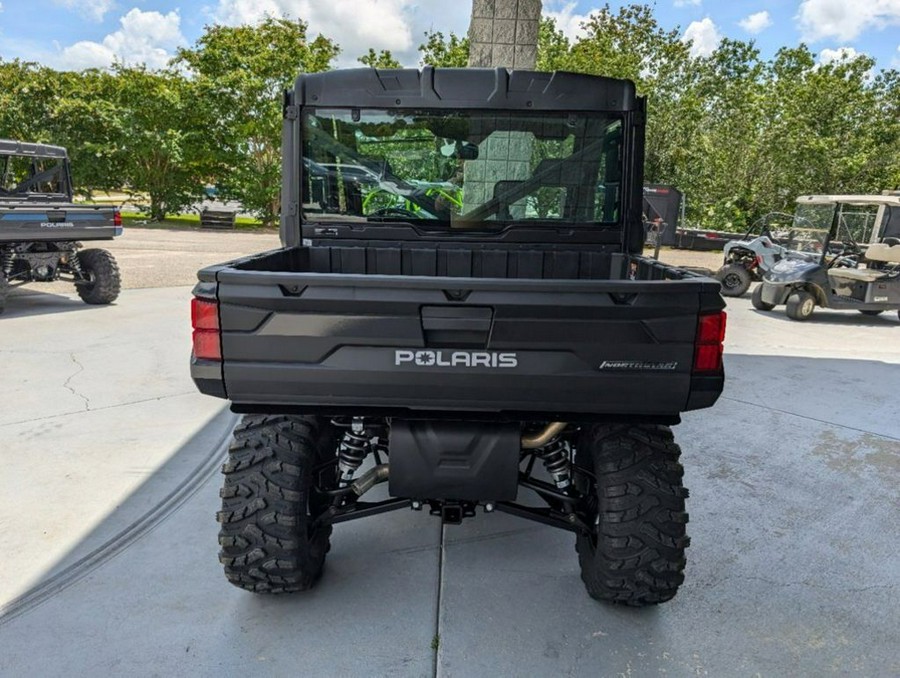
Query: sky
76, 34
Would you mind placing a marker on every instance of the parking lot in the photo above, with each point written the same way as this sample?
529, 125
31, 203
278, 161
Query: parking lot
110, 488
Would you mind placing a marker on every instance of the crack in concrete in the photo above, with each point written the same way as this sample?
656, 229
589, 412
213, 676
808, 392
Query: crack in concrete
805, 416
97, 409
804, 583
66, 385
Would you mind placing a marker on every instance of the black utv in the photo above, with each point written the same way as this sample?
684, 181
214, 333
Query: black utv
469, 321
41, 229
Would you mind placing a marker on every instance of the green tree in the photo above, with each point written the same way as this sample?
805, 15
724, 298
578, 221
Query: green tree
87, 118
438, 51
27, 92
382, 59
163, 149
239, 74
629, 43
75, 110
553, 50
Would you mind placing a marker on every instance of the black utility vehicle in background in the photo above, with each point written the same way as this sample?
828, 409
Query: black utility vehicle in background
41, 230
464, 305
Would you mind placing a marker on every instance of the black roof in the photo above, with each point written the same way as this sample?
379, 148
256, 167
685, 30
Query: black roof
9, 147
462, 88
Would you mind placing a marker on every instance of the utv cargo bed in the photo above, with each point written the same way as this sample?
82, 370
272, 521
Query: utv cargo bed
459, 331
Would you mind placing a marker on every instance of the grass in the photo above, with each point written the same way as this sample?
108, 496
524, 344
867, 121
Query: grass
190, 221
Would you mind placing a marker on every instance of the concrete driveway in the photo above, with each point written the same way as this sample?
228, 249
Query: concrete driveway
110, 485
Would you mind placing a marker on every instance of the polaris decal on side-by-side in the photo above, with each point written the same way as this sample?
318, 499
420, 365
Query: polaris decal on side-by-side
638, 365
421, 358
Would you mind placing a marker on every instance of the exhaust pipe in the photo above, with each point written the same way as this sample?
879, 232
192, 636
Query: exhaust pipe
372, 477
540, 439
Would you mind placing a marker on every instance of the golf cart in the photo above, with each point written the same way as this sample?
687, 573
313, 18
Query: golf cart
844, 274
748, 259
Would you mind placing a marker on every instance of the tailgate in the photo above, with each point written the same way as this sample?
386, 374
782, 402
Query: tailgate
35, 222
559, 348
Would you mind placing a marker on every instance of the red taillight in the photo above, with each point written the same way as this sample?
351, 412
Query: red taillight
117, 218
204, 314
708, 359
708, 347
712, 328
205, 321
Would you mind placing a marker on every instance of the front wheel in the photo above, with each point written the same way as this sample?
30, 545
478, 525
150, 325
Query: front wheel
800, 305
871, 313
634, 554
735, 280
103, 282
270, 539
758, 302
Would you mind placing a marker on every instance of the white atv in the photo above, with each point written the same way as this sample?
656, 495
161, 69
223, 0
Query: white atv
746, 260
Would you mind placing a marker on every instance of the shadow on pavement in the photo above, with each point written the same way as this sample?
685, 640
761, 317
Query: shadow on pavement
145, 589
156, 499
24, 302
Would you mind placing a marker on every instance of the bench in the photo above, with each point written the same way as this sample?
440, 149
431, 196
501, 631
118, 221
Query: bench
217, 219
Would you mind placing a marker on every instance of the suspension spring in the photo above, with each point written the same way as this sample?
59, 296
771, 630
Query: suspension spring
556, 456
353, 450
75, 263
7, 257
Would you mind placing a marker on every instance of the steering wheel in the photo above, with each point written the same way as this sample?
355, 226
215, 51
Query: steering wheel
846, 258
893, 242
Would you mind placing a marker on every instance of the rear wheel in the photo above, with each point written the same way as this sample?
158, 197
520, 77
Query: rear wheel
270, 540
758, 302
735, 280
103, 279
800, 305
634, 554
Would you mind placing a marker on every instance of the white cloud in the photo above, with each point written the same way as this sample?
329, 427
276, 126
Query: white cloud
355, 25
563, 13
756, 23
688, 3
844, 20
144, 38
92, 9
827, 56
704, 36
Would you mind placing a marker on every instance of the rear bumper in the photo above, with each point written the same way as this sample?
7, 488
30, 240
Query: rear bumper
541, 386
56, 222
35, 233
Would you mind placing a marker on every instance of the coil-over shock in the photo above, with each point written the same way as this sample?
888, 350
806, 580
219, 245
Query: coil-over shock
74, 262
7, 258
354, 448
553, 451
